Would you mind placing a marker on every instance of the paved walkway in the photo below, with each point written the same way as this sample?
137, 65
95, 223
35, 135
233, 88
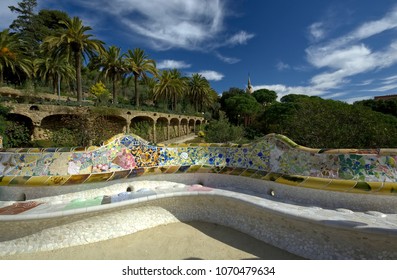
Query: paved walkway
180, 139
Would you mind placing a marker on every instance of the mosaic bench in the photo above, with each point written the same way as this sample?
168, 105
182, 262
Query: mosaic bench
274, 158
316, 203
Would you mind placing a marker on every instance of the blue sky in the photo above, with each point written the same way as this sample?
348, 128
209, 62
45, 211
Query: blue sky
344, 50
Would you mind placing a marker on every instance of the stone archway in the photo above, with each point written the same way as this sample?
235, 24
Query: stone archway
174, 128
183, 127
22, 121
191, 126
162, 129
144, 127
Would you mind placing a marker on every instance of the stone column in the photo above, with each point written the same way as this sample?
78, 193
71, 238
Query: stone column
154, 132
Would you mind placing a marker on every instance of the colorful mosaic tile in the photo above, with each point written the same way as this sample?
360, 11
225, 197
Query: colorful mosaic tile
274, 158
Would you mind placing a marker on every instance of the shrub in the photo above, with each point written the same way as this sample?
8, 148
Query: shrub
221, 131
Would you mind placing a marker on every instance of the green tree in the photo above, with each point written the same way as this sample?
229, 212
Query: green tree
11, 57
230, 112
221, 131
112, 67
170, 86
54, 68
243, 105
75, 42
199, 91
24, 25
139, 64
265, 96
47, 23
319, 123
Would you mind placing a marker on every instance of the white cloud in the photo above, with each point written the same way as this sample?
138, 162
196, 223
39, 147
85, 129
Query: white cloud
6, 16
384, 88
283, 90
229, 60
282, 66
170, 64
316, 31
240, 38
211, 75
347, 56
187, 24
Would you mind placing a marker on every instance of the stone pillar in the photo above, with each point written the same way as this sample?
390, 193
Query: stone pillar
1, 142
168, 129
154, 132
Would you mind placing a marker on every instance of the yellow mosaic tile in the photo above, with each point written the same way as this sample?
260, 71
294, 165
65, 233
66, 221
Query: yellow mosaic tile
205, 169
77, 179
37, 180
99, 177
172, 169
57, 180
315, 183
152, 171
5, 180
341, 185
389, 188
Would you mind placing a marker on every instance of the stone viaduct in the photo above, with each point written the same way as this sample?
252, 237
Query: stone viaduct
42, 118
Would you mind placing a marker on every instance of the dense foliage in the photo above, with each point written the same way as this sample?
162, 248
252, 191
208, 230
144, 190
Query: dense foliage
313, 121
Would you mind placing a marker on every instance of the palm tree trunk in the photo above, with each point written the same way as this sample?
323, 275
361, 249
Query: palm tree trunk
1, 78
136, 90
54, 85
78, 76
114, 91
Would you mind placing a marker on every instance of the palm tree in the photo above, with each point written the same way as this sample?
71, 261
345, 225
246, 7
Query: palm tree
199, 91
74, 42
139, 64
170, 86
55, 69
11, 57
113, 67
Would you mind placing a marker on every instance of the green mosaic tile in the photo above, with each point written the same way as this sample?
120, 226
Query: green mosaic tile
193, 168
248, 173
290, 180
19, 180
272, 176
259, 174
82, 203
237, 171
363, 186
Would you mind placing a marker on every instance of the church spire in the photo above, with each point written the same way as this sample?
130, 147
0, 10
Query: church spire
249, 88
